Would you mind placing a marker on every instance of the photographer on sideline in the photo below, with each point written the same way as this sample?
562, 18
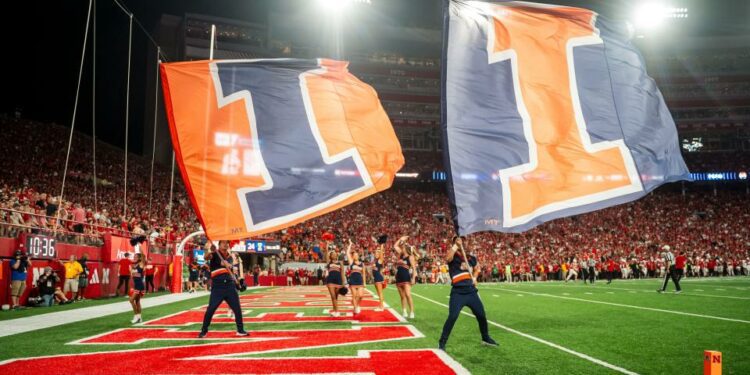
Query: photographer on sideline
19, 266
48, 289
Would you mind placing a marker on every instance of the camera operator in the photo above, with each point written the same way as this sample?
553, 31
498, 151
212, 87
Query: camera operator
48, 289
19, 266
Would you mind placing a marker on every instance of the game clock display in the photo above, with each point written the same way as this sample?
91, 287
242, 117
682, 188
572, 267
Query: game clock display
40, 247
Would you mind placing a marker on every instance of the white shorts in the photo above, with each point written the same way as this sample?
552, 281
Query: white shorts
71, 285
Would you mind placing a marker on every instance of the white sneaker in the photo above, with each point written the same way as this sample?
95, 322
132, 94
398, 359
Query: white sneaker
411, 316
404, 314
356, 310
136, 319
335, 314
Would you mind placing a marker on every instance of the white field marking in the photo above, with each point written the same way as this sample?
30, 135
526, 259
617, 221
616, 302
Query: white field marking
588, 293
495, 295
721, 290
655, 280
450, 362
700, 284
639, 307
610, 292
648, 291
541, 341
52, 319
520, 295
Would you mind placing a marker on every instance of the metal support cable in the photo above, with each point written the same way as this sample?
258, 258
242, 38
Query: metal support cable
127, 119
153, 144
93, 105
75, 110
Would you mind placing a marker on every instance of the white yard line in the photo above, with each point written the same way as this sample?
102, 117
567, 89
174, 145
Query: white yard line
53, 319
628, 306
541, 341
639, 290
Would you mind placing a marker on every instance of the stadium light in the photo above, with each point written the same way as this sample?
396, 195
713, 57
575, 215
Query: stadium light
649, 15
338, 6
333, 6
652, 15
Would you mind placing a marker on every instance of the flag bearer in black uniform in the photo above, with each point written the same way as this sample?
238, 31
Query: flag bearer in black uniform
223, 288
463, 292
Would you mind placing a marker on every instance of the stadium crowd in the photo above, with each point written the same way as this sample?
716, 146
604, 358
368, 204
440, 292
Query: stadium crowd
33, 156
711, 230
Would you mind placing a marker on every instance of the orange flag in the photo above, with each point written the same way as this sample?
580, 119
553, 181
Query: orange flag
265, 144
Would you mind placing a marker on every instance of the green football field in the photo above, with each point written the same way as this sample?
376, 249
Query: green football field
542, 328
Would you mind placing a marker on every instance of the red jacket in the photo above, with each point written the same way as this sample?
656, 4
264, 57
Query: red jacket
679, 262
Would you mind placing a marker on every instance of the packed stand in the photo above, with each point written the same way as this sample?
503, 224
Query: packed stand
28, 195
713, 231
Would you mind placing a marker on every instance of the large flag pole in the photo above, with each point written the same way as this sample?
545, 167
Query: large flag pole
213, 38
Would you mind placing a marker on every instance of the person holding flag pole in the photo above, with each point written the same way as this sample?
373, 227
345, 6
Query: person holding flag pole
224, 286
463, 292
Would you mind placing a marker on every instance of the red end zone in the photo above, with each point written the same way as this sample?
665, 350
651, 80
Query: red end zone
196, 316
218, 355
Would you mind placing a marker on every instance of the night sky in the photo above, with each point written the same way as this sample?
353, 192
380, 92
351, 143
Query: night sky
44, 44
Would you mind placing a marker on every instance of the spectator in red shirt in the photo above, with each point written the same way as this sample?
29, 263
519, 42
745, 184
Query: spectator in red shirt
610, 270
124, 275
289, 277
679, 264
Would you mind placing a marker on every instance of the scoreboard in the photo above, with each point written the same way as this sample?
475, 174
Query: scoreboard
262, 247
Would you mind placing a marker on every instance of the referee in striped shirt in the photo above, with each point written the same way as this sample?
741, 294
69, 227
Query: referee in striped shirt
672, 271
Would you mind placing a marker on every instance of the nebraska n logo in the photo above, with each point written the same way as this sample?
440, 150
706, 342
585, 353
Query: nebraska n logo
533, 121
172, 349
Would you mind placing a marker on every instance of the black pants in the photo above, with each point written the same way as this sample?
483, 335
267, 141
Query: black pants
584, 274
123, 280
223, 290
460, 298
609, 276
675, 275
150, 283
592, 274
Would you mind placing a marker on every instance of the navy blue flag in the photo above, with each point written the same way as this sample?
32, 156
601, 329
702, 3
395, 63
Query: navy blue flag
547, 112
